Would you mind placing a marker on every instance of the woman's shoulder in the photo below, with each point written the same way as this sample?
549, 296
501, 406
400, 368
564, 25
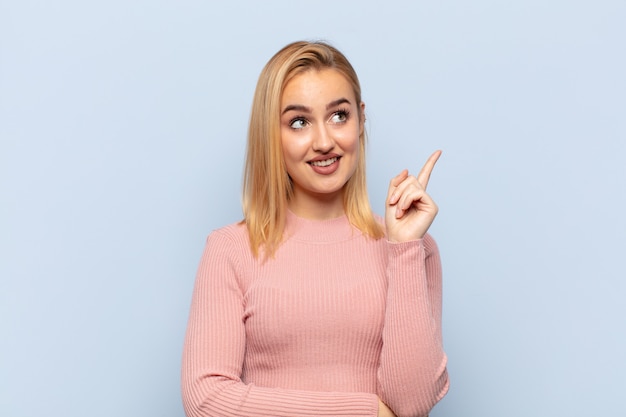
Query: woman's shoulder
233, 235
236, 229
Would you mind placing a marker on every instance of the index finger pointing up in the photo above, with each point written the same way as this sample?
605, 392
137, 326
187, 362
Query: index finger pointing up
424, 174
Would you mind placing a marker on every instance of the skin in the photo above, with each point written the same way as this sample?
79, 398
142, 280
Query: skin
409, 210
320, 119
383, 410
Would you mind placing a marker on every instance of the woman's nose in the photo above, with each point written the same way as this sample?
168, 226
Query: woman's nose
323, 141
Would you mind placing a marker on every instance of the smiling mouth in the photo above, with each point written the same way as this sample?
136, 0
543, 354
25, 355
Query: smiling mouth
325, 162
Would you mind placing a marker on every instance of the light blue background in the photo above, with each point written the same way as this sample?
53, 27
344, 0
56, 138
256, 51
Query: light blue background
122, 127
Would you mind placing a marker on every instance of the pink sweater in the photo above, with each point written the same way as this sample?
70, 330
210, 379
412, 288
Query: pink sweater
333, 321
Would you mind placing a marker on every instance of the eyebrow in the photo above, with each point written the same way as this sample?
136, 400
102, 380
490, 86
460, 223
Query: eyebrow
305, 109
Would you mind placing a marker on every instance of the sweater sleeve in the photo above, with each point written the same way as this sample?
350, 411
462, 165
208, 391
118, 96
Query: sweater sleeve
412, 374
215, 346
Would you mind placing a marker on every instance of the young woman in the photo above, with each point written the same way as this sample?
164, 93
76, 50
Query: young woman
313, 306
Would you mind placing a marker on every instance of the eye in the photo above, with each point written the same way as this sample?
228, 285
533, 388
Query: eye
298, 123
339, 116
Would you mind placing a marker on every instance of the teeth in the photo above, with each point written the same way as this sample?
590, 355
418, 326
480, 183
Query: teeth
324, 163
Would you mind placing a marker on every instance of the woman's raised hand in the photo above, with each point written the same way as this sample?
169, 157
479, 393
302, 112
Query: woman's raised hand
409, 210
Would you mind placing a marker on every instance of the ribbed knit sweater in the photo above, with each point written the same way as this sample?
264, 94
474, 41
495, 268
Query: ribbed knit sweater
334, 320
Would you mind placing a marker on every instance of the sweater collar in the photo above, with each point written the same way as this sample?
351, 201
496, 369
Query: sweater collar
322, 231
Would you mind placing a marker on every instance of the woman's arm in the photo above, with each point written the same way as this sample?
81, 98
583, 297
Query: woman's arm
215, 346
412, 373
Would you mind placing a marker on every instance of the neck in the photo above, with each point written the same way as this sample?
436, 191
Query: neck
321, 207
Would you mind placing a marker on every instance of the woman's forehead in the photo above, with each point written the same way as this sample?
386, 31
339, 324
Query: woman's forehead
317, 86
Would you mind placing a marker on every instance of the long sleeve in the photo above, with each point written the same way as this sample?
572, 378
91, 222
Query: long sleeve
215, 346
412, 374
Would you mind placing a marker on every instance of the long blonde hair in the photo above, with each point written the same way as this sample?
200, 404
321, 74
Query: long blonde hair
267, 187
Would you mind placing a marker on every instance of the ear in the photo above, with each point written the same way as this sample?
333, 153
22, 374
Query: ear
361, 118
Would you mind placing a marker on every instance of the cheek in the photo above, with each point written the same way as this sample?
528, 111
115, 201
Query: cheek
292, 149
349, 140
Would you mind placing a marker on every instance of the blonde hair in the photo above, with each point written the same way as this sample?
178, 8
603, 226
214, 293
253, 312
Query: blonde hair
267, 187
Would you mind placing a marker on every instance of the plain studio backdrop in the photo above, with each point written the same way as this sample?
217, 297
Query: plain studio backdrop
123, 125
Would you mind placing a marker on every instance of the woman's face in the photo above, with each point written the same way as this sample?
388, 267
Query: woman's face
320, 129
